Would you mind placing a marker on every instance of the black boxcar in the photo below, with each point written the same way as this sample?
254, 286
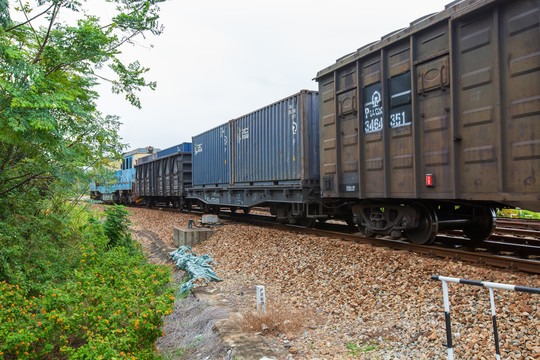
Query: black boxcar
435, 125
165, 178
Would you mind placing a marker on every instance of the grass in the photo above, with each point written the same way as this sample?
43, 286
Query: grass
356, 348
184, 351
277, 319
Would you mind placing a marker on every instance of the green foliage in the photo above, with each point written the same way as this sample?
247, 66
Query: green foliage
51, 133
97, 301
520, 214
4, 13
37, 246
70, 287
116, 227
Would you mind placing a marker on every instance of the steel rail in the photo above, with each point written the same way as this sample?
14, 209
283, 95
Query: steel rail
477, 257
480, 258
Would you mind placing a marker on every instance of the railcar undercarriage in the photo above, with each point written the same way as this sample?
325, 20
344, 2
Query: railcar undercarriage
421, 221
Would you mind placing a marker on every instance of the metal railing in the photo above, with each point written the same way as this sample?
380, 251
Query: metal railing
490, 286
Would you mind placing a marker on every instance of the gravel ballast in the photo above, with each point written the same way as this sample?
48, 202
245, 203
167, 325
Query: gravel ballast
361, 301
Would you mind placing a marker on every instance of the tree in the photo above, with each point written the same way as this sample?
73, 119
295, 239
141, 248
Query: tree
50, 129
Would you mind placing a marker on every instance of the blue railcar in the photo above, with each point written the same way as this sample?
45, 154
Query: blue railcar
121, 189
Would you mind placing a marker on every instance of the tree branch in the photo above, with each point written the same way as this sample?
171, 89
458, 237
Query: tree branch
17, 177
29, 20
42, 47
79, 138
78, 200
26, 16
20, 184
8, 156
61, 65
126, 39
102, 78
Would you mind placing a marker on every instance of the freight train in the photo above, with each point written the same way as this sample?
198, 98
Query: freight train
430, 128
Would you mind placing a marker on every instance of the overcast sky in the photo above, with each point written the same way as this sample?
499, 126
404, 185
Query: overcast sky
218, 60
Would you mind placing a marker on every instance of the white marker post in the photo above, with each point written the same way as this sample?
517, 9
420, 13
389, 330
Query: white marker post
261, 298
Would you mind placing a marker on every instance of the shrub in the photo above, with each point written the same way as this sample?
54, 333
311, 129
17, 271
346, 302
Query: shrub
116, 226
108, 305
37, 249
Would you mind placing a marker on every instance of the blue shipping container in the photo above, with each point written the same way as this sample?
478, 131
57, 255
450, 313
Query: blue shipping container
211, 156
278, 144
183, 147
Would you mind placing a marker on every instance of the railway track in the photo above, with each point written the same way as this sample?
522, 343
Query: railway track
519, 224
506, 251
512, 247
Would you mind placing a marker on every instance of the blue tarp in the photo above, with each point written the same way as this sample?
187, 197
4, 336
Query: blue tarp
196, 267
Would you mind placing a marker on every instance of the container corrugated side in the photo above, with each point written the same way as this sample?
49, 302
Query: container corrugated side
185, 147
211, 156
278, 144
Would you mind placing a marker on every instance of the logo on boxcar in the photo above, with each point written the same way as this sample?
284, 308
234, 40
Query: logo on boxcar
198, 148
373, 111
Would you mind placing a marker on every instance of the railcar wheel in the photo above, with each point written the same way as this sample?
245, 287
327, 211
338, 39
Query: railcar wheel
427, 228
484, 220
233, 209
246, 210
365, 232
351, 224
307, 222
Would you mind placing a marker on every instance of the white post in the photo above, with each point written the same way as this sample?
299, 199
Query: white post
447, 320
494, 320
261, 298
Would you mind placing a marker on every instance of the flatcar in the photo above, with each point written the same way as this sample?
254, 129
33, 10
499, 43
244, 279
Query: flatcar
269, 157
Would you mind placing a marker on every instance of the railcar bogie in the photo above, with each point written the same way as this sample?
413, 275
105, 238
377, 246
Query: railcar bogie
421, 221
